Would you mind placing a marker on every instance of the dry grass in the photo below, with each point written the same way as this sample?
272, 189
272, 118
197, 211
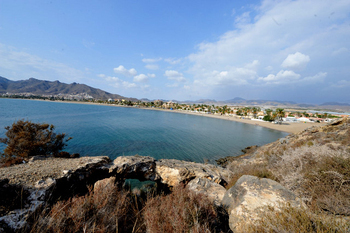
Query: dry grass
121, 211
291, 220
318, 174
107, 211
254, 169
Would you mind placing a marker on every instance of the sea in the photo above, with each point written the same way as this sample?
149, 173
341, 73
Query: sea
117, 131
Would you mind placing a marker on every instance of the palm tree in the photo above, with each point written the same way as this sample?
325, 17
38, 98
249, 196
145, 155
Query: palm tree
280, 114
255, 111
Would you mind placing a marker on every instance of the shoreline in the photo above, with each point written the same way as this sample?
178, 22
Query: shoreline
285, 127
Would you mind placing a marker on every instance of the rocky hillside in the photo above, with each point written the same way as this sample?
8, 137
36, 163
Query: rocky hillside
314, 164
41, 87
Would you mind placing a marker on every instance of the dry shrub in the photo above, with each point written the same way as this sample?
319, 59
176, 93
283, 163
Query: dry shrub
9, 161
290, 219
122, 211
318, 174
107, 211
182, 211
329, 185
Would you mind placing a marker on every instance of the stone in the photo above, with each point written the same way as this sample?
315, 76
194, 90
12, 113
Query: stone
45, 184
173, 172
213, 191
37, 157
244, 200
101, 185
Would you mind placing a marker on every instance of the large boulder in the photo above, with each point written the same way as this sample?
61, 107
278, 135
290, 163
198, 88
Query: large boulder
212, 190
244, 200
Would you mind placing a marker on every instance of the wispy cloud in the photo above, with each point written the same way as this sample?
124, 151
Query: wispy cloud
18, 64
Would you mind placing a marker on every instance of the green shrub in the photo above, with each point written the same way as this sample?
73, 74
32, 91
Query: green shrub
25, 139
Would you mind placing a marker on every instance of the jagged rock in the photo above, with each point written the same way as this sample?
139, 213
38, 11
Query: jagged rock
251, 193
173, 172
133, 167
213, 191
250, 149
284, 140
56, 185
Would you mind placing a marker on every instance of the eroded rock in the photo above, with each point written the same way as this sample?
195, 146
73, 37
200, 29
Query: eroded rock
244, 200
133, 167
213, 191
173, 172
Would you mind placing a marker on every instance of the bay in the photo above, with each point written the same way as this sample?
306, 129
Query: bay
115, 131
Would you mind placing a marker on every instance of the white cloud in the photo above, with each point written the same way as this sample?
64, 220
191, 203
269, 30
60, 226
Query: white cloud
172, 61
340, 51
122, 70
284, 76
172, 85
151, 60
152, 66
151, 75
341, 84
269, 68
275, 36
296, 61
141, 78
316, 78
128, 85
174, 75
117, 82
290, 77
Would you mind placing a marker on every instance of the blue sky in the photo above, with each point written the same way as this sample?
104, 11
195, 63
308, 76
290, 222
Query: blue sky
185, 50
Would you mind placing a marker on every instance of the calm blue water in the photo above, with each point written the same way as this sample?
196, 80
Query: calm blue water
115, 131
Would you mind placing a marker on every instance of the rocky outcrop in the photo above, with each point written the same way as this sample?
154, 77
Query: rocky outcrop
173, 172
48, 179
168, 172
244, 200
133, 167
56, 178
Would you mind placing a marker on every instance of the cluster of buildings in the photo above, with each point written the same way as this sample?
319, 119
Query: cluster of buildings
60, 96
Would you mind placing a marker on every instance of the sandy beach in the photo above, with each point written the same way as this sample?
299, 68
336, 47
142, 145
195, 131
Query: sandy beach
285, 127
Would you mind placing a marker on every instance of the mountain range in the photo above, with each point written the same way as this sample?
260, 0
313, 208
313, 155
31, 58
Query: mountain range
41, 87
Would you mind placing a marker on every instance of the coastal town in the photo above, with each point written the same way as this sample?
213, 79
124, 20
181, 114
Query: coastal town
278, 117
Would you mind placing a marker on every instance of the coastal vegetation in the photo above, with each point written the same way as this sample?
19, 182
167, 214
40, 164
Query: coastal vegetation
25, 139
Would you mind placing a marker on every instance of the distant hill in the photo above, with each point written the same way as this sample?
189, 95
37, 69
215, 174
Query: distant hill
41, 87
334, 103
